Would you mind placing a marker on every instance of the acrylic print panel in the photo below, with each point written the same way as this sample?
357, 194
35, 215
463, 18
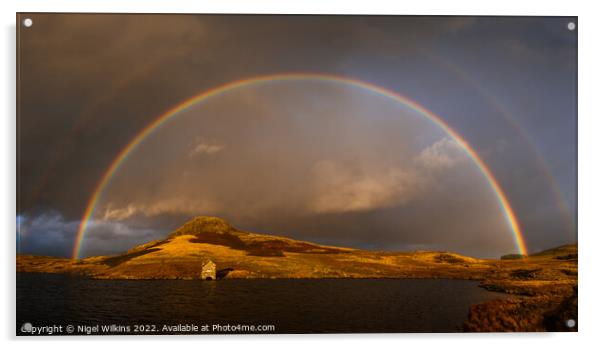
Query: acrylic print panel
225, 174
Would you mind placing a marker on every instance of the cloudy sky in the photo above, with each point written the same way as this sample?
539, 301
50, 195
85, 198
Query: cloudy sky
313, 159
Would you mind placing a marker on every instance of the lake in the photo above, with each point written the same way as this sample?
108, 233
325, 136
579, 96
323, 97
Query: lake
234, 306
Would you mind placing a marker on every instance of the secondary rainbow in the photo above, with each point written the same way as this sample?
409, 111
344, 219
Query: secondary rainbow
504, 111
153, 126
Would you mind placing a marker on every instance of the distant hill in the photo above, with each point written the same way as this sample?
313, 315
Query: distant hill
565, 251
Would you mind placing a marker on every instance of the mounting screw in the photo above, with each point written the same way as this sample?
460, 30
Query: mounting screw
571, 26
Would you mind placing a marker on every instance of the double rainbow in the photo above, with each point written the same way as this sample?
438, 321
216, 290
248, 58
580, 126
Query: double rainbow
220, 90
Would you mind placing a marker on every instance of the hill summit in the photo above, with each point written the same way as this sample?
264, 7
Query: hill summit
203, 225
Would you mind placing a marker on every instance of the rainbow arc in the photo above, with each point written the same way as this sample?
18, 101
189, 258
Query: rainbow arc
123, 155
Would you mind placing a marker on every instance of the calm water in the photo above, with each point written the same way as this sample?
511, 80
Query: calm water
292, 306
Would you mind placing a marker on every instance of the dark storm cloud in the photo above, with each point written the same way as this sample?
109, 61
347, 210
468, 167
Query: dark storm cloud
51, 234
83, 77
89, 83
45, 234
